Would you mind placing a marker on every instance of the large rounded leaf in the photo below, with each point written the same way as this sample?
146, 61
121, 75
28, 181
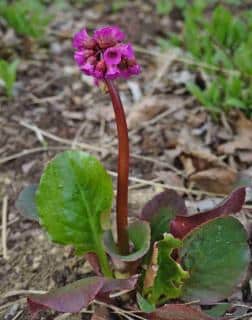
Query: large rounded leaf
217, 257
74, 196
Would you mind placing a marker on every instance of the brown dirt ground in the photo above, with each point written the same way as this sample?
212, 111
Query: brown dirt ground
52, 95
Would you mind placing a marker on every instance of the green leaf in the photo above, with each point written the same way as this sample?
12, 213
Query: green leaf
170, 276
27, 17
218, 310
144, 305
74, 199
197, 92
164, 6
139, 235
26, 202
217, 257
8, 75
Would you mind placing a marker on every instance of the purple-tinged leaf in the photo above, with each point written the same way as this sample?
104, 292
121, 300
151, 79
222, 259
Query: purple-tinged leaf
71, 298
112, 285
167, 199
139, 235
25, 203
161, 210
181, 225
177, 312
79, 294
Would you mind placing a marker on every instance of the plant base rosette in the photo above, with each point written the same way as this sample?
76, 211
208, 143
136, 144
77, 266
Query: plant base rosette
202, 257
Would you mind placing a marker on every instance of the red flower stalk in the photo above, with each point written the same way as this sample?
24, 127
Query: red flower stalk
122, 169
105, 57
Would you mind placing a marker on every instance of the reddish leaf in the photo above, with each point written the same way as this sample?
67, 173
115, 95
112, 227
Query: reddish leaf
71, 298
112, 285
168, 198
181, 225
161, 210
78, 295
178, 312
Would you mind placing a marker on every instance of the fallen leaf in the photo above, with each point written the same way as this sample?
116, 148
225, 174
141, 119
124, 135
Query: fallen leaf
243, 138
217, 180
146, 110
100, 313
245, 156
170, 178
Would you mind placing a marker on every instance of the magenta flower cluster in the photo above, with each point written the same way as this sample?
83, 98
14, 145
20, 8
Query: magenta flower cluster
105, 56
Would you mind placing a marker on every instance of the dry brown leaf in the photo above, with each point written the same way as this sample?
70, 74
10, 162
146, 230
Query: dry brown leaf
146, 110
243, 138
188, 164
245, 156
170, 178
217, 180
101, 313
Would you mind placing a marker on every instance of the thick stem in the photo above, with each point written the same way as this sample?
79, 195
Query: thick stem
122, 169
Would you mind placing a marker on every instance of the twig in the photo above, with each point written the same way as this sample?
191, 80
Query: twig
140, 182
101, 150
10, 222
86, 146
66, 315
37, 100
167, 61
125, 313
167, 186
78, 134
22, 292
4, 227
249, 315
28, 152
6, 305
18, 315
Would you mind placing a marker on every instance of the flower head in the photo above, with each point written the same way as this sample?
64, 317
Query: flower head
104, 56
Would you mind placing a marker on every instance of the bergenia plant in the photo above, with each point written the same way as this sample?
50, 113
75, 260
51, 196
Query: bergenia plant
166, 257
